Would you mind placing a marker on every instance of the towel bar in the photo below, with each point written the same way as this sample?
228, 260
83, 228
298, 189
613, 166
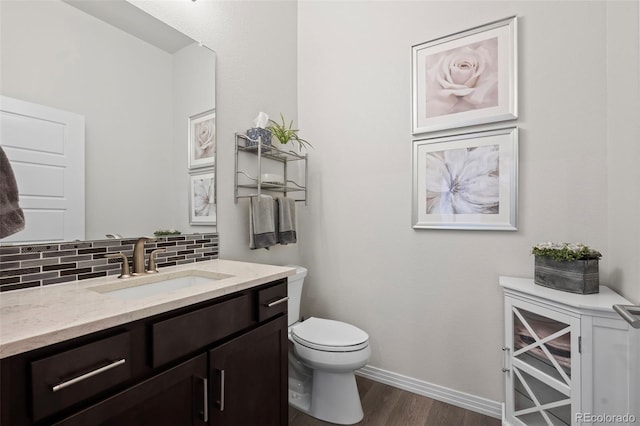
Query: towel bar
631, 314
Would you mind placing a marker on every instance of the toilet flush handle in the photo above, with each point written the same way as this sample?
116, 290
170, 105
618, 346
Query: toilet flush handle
276, 302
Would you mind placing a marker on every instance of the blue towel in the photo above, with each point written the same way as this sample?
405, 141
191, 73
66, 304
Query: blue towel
262, 232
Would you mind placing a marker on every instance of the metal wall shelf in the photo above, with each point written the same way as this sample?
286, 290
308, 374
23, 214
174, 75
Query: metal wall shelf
256, 148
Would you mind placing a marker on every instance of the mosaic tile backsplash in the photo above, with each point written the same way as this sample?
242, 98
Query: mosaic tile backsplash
42, 264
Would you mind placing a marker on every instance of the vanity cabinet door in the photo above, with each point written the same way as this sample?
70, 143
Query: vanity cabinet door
177, 396
248, 378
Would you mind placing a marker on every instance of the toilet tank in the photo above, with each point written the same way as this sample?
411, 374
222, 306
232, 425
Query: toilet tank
294, 291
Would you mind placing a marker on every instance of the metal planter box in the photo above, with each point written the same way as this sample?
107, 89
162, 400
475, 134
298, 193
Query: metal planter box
575, 276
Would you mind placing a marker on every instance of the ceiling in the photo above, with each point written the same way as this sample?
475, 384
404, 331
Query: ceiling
129, 18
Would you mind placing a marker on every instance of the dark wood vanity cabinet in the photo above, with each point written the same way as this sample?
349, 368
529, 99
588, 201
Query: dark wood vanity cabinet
221, 362
248, 377
177, 396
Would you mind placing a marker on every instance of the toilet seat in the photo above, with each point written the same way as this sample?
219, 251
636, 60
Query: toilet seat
329, 335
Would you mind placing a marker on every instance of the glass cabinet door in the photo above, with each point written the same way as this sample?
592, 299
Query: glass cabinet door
544, 375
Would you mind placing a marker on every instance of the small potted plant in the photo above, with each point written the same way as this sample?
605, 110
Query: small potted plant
166, 232
285, 133
571, 267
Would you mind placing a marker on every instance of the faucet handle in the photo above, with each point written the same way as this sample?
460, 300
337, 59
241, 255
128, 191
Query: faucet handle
124, 273
152, 260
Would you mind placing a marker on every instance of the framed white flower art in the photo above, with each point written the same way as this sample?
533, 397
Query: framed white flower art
202, 198
466, 181
466, 78
202, 139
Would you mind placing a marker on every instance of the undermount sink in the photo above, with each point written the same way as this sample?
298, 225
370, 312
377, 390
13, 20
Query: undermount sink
144, 286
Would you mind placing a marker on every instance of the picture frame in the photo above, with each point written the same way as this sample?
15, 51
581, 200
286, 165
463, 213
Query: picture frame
467, 181
202, 139
466, 78
202, 198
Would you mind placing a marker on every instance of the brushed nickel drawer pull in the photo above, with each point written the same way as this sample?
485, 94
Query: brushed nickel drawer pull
277, 302
221, 390
85, 376
205, 405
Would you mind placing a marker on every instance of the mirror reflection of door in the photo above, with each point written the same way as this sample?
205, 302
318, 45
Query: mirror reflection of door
45, 147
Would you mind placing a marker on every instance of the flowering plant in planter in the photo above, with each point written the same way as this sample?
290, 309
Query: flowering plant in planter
571, 267
565, 251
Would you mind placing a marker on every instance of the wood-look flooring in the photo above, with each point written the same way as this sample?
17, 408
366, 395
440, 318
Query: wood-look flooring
385, 405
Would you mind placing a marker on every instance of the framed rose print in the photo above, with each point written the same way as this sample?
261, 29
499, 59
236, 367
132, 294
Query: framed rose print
202, 198
466, 78
202, 139
466, 181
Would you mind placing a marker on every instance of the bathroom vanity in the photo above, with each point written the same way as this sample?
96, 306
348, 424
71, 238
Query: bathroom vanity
211, 352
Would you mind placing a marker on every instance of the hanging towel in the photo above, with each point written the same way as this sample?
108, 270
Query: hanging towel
286, 229
262, 232
11, 215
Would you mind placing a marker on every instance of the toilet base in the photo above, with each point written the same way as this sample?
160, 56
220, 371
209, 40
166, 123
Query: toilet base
300, 401
334, 398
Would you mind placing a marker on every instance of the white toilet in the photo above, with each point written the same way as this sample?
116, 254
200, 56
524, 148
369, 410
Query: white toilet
323, 355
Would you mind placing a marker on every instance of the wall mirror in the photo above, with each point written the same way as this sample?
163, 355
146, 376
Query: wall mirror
140, 86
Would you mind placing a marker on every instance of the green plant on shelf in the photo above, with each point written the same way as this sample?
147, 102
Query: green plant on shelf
285, 133
166, 232
564, 252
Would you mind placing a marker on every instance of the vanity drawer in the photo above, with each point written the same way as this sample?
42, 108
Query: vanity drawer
272, 301
64, 379
183, 334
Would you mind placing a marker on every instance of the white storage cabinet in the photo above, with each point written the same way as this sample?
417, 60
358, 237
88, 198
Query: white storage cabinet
568, 358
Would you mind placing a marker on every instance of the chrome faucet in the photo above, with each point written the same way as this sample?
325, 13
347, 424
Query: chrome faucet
138, 255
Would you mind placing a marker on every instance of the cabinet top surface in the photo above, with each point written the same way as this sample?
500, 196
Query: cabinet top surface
602, 301
41, 316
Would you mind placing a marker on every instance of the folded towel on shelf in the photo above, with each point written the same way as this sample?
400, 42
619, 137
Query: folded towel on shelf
559, 348
11, 215
286, 222
262, 233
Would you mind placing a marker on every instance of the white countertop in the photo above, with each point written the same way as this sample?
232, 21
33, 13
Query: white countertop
41, 316
602, 301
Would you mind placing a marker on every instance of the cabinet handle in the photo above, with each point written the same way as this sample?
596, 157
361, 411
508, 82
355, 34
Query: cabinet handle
505, 359
277, 302
205, 402
85, 376
221, 402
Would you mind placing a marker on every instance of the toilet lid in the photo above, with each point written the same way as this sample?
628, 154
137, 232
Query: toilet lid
329, 335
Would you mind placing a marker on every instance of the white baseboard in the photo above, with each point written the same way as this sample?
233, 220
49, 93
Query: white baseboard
440, 393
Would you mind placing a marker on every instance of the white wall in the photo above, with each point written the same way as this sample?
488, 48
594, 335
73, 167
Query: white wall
430, 299
623, 145
193, 93
58, 56
255, 43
